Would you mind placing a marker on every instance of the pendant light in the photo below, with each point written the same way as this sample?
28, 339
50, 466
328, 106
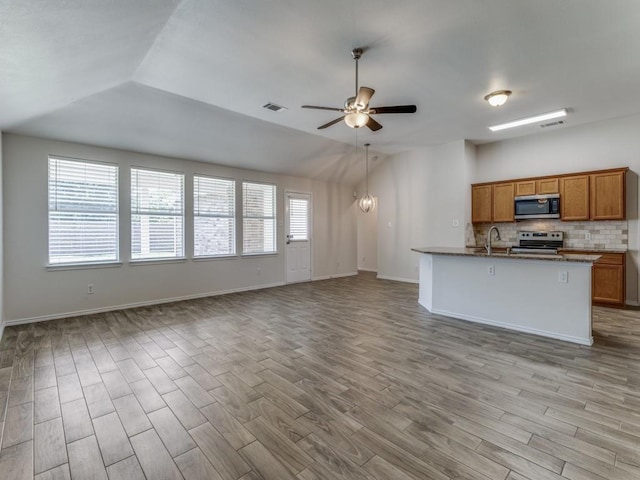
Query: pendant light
367, 203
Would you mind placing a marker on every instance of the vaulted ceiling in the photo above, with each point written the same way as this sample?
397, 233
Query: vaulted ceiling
189, 78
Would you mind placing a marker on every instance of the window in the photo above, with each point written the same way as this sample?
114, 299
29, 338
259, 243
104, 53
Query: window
298, 218
259, 218
214, 222
157, 214
83, 212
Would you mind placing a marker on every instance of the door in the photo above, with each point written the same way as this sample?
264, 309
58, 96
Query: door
298, 236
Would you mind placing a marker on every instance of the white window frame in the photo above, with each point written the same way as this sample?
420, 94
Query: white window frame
274, 218
135, 210
90, 263
232, 216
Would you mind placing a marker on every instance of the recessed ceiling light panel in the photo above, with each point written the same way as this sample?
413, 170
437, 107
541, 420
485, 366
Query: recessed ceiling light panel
526, 121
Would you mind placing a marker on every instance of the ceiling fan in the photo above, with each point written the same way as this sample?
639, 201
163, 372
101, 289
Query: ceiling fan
357, 112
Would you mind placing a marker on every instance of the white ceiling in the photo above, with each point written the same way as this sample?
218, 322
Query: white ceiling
189, 78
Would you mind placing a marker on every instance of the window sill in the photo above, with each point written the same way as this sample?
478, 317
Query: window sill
267, 254
81, 266
207, 258
156, 261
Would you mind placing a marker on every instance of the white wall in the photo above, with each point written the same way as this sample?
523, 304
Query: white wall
34, 292
596, 146
420, 193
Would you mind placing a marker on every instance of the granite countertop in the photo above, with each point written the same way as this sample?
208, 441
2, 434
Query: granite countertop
596, 250
502, 253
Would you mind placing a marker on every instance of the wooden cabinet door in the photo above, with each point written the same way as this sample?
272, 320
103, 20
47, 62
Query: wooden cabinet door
526, 188
608, 284
481, 202
547, 185
607, 196
503, 195
574, 197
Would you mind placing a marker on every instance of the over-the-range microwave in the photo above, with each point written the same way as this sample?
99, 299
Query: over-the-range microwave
537, 206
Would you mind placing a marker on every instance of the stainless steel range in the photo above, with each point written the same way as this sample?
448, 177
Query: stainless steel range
539, 242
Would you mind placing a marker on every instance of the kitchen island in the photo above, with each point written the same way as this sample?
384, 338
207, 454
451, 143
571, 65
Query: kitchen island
548, 295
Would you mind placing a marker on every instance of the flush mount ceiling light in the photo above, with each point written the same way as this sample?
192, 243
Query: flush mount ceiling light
498, 98
367, 203
526, 121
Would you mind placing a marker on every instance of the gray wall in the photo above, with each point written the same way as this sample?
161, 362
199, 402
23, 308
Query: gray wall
420, 194
35, 293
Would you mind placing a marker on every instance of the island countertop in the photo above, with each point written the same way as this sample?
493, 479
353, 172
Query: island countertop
502, 253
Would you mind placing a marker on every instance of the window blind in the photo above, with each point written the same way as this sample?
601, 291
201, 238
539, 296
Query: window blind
83, 211
157, 214
259, 218
299, 218
214, 222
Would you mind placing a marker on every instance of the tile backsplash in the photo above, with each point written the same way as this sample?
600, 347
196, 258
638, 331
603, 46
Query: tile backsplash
610, 235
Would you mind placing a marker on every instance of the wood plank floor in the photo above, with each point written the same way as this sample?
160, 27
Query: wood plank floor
339, 379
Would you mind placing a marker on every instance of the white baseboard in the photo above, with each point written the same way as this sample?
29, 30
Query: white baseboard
632, 303
329, 277
374, 270
518, 328
91, 311
397, 279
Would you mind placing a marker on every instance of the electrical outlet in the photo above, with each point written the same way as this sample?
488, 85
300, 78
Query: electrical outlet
90, 288
491, 270
587, 236
563, 277
455, 222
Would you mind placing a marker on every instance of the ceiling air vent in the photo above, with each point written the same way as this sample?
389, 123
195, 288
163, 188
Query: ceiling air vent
274, 107
552, 124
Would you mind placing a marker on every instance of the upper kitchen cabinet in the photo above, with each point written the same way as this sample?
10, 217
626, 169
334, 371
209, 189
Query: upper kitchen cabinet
596, 195
574, 197
608, 195
537, 187
527, 187
503, 195
547, 185
481, 203
593, 196
492, 202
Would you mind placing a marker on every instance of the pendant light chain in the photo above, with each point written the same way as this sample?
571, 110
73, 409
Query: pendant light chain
367, 203
366, 146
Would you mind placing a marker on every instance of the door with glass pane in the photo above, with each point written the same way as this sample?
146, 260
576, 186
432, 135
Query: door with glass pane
298, 236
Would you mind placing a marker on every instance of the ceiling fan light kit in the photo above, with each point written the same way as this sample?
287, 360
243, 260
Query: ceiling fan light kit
356, 119
357, 112
498, 98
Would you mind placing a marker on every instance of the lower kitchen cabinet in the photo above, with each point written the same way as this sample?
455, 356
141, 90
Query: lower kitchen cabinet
608, 280
608, 286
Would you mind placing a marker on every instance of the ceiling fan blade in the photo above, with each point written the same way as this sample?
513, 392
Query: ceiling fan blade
332, 122
364, 95
396, 109
323, 108
373, 125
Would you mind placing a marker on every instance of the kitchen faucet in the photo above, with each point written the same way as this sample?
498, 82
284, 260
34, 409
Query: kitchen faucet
488, 245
